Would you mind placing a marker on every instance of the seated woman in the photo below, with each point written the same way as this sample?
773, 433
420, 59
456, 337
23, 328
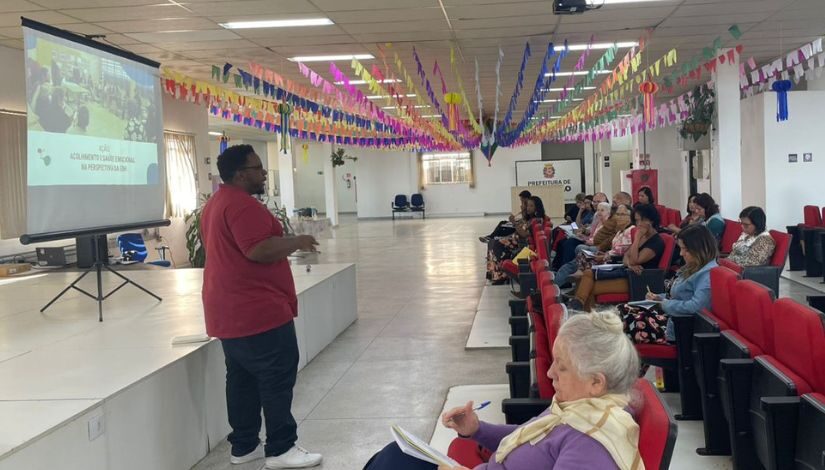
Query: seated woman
645, 196
755, 246
588, 425
705, 208
500, 249
588, 223
507, 227
690, 218
689, 293
644, 253
602, 240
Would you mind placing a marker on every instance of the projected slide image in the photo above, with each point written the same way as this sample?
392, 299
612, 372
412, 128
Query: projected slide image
93, 117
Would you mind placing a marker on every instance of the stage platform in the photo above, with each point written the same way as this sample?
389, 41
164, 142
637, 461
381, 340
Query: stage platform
77, 393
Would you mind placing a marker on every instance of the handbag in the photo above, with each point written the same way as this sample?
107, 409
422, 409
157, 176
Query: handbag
612, 273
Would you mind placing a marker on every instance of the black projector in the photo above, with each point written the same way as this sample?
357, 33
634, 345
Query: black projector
570, 7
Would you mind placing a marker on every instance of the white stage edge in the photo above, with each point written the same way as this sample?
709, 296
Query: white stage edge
79, 394
491, 327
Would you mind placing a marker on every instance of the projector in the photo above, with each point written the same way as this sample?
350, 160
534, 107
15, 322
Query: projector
572, 7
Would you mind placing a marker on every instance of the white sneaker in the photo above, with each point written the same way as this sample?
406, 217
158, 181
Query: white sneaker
256, 454
296, 457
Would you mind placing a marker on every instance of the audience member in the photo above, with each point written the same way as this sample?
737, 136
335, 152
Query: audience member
690, 218
588, 425
755, 246
506, 227
645, 196
504, 248
706, 209
644, 253
688, 294
622, 198
606, 243
572, 213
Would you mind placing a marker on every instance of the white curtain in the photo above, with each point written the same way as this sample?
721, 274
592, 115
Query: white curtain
182, 185
12, 175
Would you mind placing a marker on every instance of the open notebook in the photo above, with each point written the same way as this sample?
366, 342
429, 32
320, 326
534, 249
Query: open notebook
415, 447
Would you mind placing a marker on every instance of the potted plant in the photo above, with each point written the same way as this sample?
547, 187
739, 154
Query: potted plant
339, 157
194, 243
700, 119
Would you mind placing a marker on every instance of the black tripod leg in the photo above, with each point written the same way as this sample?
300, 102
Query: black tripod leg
99, 292
70, 286
129, 281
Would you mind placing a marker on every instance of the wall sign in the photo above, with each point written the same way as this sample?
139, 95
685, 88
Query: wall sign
567, 173
792, 158
807, 157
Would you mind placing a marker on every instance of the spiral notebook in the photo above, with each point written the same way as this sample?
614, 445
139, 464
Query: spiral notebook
415, 447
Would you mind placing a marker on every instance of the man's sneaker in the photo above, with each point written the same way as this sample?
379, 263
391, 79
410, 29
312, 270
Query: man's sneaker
257, 453
296, 457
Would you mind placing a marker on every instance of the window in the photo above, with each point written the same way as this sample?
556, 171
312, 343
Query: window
446, 168
181, 179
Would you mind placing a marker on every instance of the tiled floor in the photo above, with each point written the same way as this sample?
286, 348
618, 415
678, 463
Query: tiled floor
419, 283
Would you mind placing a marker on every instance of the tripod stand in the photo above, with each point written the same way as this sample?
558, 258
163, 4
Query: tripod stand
98, 266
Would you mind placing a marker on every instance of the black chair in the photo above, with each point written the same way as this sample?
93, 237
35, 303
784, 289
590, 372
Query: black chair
399, 204
417, 205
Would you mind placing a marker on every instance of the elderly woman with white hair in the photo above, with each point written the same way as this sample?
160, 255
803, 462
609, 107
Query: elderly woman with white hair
588, 424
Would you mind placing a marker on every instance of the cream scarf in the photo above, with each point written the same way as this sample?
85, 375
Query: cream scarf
603, 418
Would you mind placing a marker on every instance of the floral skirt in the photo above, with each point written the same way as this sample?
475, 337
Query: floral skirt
644, 326
498, 250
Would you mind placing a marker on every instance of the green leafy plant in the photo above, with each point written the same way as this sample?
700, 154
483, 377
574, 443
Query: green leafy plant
194, 243
281, 215
702, 107
339, 157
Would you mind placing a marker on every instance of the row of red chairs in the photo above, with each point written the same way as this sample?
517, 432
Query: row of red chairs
760, 370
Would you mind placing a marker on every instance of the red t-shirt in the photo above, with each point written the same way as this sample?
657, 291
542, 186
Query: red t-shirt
242, 297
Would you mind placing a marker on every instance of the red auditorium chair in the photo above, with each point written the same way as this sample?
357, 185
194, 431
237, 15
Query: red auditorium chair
810, 440
705, 351
765, 275
752, 338
657, 433
733, 230
808, 234
795, 367
650, 278
657, 428
519, 407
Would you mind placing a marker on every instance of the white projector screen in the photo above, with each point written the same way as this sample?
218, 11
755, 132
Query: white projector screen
95, 134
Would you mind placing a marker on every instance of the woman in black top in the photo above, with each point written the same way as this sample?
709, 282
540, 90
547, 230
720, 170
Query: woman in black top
644, 253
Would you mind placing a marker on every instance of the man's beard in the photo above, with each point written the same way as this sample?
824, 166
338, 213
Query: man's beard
260, 190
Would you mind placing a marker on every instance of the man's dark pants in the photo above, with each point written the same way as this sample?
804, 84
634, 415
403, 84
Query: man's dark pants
260, 374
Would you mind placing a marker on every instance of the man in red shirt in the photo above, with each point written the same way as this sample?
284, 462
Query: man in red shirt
249, 302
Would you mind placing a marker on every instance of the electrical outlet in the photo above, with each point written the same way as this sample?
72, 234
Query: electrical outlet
96, 427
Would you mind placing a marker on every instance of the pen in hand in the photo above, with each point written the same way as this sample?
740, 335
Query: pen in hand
477, 408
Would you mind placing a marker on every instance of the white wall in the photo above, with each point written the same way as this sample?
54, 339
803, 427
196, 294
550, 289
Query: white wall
753, 150
382, 175
789, 186
663, 146
12, 78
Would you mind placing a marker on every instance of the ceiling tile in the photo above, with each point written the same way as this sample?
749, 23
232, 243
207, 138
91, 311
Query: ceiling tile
8, 6
166, 24
45, 16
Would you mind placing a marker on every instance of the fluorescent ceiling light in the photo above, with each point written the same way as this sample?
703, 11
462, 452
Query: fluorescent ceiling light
557, 101
378, 97
362, 82
330, 58
562, 89
598, 45
215, 133
416, 106
277, 23
578, 73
